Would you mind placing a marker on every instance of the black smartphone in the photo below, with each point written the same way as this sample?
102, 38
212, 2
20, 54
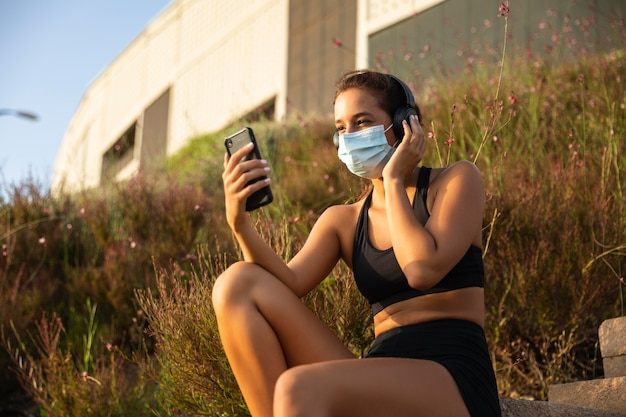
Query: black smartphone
237, 141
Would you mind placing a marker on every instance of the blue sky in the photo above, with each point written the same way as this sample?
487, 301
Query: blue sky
50, 52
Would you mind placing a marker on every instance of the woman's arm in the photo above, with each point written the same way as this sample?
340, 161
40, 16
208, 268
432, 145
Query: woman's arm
313, 262
427, 253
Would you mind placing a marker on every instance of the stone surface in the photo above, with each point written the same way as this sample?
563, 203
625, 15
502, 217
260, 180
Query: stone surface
614, 366
522, 408
607, 394
612, 335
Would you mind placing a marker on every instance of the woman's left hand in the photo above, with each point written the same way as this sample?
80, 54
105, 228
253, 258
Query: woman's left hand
409, 152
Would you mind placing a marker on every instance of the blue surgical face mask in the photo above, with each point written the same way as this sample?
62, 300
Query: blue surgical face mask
366, 151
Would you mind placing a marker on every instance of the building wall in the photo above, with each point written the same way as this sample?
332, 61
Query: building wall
214, 60
322, 41
420, 39
377, 15
202, 64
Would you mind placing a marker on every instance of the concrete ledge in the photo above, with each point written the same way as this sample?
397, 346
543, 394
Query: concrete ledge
607, 394
522, 408
614, 366
612, 335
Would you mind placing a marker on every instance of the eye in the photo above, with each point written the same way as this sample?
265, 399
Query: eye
340, 129
363, 122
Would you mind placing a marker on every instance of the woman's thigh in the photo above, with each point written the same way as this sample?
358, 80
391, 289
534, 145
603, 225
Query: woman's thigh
370, 387
250, 301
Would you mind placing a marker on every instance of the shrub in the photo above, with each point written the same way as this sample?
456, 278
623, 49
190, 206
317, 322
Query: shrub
549, 139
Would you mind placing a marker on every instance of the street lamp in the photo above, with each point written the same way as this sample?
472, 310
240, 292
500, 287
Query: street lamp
19, 113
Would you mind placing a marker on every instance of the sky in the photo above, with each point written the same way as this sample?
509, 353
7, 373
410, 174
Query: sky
50, 53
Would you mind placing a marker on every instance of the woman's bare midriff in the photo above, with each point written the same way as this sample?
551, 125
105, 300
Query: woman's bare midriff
464, 304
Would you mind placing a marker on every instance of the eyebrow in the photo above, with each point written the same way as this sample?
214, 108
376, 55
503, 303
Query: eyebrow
357, 115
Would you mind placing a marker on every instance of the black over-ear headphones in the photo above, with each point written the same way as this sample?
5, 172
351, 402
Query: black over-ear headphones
402, 113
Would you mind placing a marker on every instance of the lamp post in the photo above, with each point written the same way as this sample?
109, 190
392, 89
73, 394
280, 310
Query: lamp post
19, 113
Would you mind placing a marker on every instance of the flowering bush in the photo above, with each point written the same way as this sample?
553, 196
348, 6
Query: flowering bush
549, 139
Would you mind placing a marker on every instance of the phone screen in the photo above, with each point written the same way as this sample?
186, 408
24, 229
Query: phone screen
235, 142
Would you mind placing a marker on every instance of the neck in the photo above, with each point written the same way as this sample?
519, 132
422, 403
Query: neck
379, 185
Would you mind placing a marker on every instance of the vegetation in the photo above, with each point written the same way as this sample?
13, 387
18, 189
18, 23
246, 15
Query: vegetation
105, 295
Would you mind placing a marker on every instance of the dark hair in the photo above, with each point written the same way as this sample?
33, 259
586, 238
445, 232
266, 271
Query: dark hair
387, 89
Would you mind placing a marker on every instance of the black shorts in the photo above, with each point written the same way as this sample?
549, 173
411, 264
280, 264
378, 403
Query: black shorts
460, 346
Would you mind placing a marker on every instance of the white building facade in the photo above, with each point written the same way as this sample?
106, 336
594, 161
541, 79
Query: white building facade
203, 64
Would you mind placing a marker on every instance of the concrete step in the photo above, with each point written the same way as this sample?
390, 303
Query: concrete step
612, 335
607, 393
614, 366
523, 408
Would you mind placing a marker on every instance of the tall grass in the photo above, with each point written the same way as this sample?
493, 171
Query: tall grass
105, 295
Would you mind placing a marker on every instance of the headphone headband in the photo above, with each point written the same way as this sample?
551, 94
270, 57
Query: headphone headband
410, 100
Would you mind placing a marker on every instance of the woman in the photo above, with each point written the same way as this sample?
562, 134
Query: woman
414, 244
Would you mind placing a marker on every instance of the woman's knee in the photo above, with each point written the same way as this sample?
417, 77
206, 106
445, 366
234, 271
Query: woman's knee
297, 392
233, 285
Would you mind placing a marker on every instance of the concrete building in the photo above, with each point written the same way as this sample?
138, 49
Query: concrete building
202, 64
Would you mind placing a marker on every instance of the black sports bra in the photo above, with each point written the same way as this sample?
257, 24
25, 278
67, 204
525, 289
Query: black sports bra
378, 274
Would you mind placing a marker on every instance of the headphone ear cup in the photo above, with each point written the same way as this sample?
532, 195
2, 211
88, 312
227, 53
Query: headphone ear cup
401, 114
336, 140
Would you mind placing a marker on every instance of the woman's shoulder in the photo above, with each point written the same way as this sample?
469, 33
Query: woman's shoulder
465, 171
340, 211
340, 221
461, 180
341, 215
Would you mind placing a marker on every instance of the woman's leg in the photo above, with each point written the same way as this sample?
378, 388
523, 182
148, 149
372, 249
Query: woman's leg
265, 329
369, 387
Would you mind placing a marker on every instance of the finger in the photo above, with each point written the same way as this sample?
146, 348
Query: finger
242, 152
407, 131
250, 175
415, 124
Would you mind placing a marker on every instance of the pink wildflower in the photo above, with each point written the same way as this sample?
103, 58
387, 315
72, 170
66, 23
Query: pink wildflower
449, 142
42, 241
512, 98
336, 43
504, 10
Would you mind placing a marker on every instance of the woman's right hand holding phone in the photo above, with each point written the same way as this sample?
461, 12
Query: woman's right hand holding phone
237, 187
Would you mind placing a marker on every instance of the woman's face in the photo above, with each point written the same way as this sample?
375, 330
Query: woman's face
356, 109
